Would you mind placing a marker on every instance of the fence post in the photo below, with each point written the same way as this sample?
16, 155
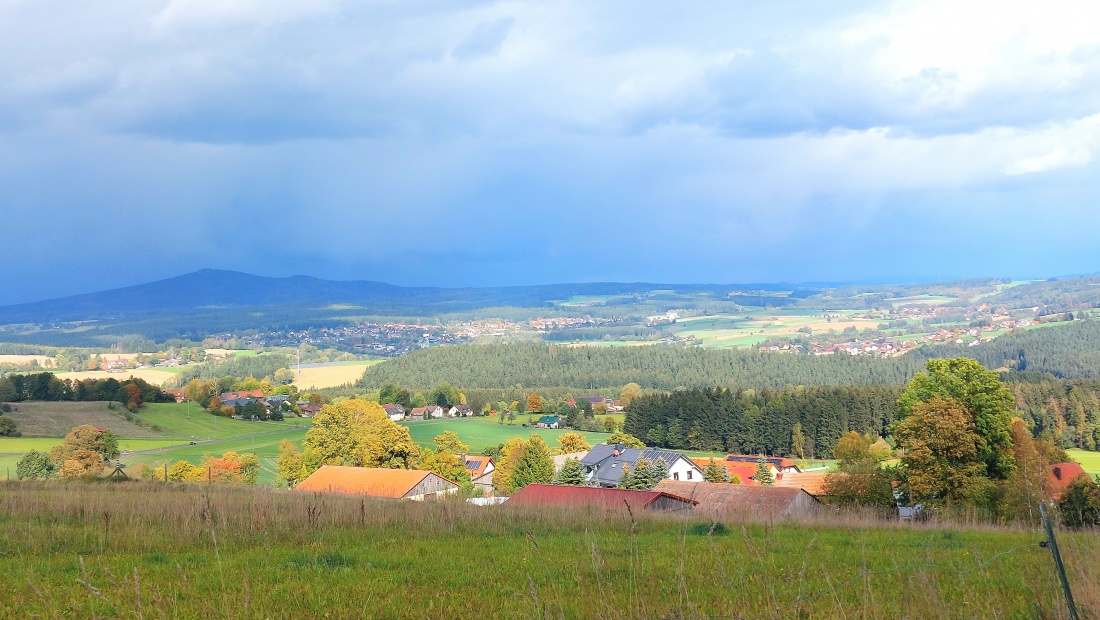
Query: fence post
1052, 544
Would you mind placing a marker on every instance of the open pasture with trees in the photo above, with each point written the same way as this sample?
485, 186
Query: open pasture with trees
191, 551
724, 331
154, 376
54, 419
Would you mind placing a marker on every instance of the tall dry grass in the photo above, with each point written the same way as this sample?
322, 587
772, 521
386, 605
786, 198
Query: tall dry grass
169, 550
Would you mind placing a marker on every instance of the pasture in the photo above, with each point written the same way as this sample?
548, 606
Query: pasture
178, 421
331, 375
1090, 461
55, 419
481, 433
149, 550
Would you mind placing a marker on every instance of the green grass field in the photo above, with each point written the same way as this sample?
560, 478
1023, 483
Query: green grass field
176, 421
481, 433
152, 550
1090, 461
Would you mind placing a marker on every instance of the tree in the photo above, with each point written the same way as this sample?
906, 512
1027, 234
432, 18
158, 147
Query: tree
284, 376
510, 453
81, 463
133, 396
1080, 503
534, 403
35, 465
449, 442
289, 465
183, 471
629, 441
763, 472
109, 442
861, 480
942, 459
250, 468
715, 472
81, 438
570, 474
419, 400
358, 433
534, 466
988, 403
573, 442
881, 450
629, 391
645, 475
8, 427
798, 441
852, 447
609, 424
1029, 482
449, 466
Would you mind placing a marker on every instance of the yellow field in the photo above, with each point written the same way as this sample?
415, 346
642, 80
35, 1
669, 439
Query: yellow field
335, 375
152, 375
43, 360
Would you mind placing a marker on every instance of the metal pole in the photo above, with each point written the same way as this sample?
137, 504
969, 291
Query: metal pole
1052, 544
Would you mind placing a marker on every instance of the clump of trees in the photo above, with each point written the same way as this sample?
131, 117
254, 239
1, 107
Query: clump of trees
83, 453
132, 392
229, 468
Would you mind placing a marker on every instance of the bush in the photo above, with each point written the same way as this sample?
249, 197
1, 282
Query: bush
8, 428
1080, 503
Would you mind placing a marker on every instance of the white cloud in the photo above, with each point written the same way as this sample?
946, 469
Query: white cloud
1058, 158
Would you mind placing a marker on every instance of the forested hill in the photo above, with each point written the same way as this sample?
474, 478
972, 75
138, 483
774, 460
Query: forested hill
659, 367
1065, 350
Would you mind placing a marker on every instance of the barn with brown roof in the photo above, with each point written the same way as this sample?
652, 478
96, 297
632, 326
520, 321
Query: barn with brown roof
550, 495
412, 484
722, 498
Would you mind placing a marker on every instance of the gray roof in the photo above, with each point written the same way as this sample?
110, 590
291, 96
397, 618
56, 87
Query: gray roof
607, 467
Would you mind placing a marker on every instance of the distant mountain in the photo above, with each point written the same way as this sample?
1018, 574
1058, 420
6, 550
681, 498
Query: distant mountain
211, 301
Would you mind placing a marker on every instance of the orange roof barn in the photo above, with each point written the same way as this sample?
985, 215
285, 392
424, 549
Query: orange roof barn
386, 483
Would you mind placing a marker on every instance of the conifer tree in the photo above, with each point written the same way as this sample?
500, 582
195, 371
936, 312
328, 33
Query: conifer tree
571, 474
763, 471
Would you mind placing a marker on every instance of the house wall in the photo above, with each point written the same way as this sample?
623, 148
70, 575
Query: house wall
485, 481
803, 503
431, 484
679, 471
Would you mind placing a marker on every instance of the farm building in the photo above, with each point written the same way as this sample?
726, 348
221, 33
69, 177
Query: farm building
604, 464
745, 472
412, 484
721, 498
812, 482
481, 470
394, 411
779, 465
550, 495
1061, 474
548, 421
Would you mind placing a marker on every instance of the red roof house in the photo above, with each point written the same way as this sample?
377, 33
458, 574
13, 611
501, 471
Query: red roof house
550, 495
1060, 476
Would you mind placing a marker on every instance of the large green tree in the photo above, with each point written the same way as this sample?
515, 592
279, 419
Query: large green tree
35, 465
988, 403
534, 466
358, 433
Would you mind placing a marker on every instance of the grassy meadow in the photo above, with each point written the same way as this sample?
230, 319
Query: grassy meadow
149, 550
751, 328
481, 433
1090, 461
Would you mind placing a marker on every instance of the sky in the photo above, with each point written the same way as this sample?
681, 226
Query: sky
494, 143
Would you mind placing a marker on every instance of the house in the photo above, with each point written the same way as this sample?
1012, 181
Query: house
481, 470
310, 410
1061, 474
560, 459
276, 400
779, 465
718, 498
178, 395
746, 473
548, 421
394, 412
550, 495
417, 413
604, 464
460, 411
411, 484
433, 411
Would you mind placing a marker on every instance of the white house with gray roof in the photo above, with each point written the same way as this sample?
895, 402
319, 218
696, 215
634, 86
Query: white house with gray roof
604, 464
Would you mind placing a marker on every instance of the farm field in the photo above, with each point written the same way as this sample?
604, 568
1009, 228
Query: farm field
9, 358
175, 421
331, 375
750, 329
1090, 461
159, 558
155, 376
265, 444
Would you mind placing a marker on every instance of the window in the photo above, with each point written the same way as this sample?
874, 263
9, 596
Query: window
676, 475
689, 474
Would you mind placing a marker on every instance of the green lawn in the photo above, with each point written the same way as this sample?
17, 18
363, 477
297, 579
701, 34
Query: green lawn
481, 433
177, 421
265, 445
1090, 461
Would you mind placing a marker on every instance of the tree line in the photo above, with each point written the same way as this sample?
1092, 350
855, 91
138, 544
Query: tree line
46, 386
762, 421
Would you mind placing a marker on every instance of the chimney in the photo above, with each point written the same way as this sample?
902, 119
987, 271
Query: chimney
1058, 473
